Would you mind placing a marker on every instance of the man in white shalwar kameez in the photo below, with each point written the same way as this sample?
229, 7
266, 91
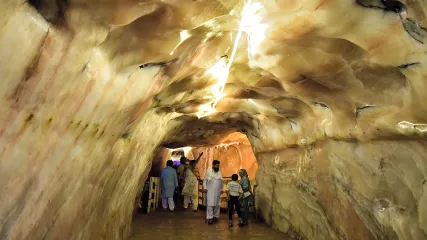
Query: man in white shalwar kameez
214, 187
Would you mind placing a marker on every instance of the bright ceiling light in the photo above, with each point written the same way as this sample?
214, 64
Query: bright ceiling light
250, 23
205, 110
184, 34
186, 150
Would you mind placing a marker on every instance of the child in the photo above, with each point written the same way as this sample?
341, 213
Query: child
234, 192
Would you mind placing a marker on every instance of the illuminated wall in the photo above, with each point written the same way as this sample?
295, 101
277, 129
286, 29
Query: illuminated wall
233, 157
234, 153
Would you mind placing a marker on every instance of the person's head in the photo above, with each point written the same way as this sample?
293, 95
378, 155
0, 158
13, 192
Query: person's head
169, 163
187, 162
182, 160
234, 177
215, 165
243, 173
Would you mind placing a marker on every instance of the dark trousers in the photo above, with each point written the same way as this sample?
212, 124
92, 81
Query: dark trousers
245, 208
144, 201
233, 204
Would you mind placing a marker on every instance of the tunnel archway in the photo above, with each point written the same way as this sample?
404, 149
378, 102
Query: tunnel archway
330, 94
234, 151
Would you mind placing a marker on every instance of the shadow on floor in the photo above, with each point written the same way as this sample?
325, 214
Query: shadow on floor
188, 225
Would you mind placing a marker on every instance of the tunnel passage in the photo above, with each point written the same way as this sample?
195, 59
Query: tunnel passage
234, 151
330, 94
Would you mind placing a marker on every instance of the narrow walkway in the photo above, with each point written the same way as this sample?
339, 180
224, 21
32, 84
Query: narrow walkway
188, 225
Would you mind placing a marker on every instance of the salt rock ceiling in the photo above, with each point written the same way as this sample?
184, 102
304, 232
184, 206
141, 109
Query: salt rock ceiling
331, 94
344, 69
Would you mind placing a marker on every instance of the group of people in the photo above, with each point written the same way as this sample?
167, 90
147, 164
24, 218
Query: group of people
185, 182
182, 181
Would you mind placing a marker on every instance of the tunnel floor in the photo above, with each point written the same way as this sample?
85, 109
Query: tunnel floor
189, 225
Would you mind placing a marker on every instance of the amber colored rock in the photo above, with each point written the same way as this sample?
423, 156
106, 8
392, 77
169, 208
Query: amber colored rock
330, 94
234, 152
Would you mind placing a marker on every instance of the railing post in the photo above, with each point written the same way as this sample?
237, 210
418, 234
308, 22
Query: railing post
153, 194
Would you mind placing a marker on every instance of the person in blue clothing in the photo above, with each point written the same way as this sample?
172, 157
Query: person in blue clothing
168, 182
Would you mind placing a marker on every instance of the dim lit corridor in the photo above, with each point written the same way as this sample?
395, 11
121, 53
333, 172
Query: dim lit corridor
185, 225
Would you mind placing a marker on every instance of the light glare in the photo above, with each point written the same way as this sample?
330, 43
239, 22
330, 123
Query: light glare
250, 23
183, 35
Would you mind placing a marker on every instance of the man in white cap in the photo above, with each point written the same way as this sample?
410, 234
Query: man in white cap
214, 188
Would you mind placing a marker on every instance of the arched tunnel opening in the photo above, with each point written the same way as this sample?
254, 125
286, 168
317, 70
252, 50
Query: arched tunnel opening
330, 96
234, 151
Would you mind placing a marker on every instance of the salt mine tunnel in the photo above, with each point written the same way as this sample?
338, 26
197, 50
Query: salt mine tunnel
323, 101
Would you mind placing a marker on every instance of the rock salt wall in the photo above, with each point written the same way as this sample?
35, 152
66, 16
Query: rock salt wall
69, 169
331, 95
346, 190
